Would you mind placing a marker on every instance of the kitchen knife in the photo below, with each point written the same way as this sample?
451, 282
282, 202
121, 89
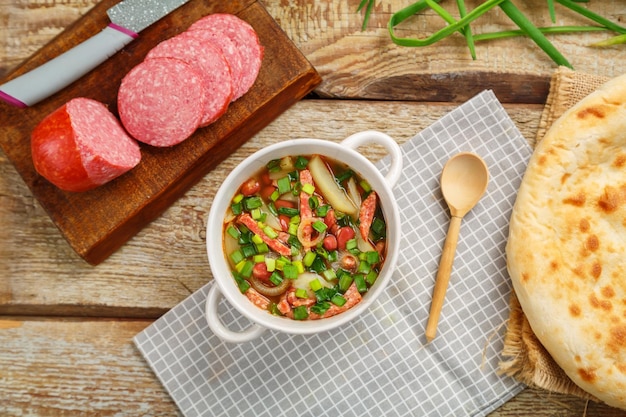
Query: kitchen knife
128, 18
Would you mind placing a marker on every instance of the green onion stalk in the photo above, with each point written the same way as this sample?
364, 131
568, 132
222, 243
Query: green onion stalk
526, 27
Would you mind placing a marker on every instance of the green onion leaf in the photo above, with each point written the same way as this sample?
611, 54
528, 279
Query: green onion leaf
288, 211
290, 271
233, 231
301, 162
237, 256
359, 281
275, 278
338, 300
246, 271
300, 313
320, 308
284, 185
252, 203
315, 285
320, 226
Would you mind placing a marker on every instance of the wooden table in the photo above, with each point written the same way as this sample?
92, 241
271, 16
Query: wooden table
66, 327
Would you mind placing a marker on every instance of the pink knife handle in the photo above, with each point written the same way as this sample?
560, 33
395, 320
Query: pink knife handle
40, 83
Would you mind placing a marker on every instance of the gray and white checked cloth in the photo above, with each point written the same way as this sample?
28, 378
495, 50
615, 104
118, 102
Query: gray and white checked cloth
380, 364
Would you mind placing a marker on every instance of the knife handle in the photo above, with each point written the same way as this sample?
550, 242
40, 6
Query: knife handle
54, 75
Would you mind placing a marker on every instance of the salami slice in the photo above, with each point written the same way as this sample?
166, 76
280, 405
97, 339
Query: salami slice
228, 49
81, 145
210, 62
161, 101
246, 40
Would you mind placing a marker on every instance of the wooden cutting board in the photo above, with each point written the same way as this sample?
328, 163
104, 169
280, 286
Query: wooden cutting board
97, 222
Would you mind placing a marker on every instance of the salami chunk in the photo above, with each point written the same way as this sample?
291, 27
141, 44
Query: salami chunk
161, 101
210, 62
81, 146
246, 41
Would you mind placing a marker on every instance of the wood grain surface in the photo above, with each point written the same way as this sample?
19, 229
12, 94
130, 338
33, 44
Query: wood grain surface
66, 327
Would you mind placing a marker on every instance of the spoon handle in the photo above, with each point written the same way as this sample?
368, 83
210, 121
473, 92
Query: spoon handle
443, 276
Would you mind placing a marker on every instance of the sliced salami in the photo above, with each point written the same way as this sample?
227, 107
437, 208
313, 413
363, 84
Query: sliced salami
230, 51
246, 40
210, 62
161, 101
81, 145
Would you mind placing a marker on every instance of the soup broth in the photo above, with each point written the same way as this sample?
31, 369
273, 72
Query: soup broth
305, 237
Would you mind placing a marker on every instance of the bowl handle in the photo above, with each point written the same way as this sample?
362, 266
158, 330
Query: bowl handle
372, 136
216, 325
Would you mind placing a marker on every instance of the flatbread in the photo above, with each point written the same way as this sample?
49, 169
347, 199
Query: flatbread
566, 251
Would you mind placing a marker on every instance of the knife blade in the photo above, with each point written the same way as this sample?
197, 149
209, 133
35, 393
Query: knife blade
128, 18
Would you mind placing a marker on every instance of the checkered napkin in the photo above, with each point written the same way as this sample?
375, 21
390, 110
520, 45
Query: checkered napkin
379, 364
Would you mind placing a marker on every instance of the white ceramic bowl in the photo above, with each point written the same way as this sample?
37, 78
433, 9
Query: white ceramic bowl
224, 285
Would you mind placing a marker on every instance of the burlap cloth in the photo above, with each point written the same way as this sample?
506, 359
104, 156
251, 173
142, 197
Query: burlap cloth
524, 358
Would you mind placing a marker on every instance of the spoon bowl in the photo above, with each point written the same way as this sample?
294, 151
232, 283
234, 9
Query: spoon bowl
464, 180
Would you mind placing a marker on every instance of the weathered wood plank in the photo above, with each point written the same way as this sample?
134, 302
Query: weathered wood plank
86, 367
166, 261
367, 64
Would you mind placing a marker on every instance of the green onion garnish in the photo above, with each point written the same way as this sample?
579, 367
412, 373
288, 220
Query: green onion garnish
288, 211
370, 278
290, 271
233, 232
308, 188
345, 280
320, 226
301, 162
320, 308
275, 278
359, 281
300, 313
271, 233
284, 185
236, 208
237, 256
308, 259
273, 165
252, 203
338, 300
246, 271
315, 285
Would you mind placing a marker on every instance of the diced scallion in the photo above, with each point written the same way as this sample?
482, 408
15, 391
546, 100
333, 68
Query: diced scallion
359, 281
309, 258
284, 185
301, 162
320, 226
271, 233
338, 300
315, 284
290, 271
300, 313
345, 280
302, 293
246, 270
308, 188
237, 256
252, 203
233, 232
320, 308
276, 279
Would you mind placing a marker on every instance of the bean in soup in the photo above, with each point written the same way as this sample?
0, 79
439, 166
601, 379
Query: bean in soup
305, 237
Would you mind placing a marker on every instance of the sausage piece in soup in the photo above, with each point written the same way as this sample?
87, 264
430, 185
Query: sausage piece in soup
305, 237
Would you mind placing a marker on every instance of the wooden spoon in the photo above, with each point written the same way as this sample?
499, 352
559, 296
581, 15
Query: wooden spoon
464, 180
